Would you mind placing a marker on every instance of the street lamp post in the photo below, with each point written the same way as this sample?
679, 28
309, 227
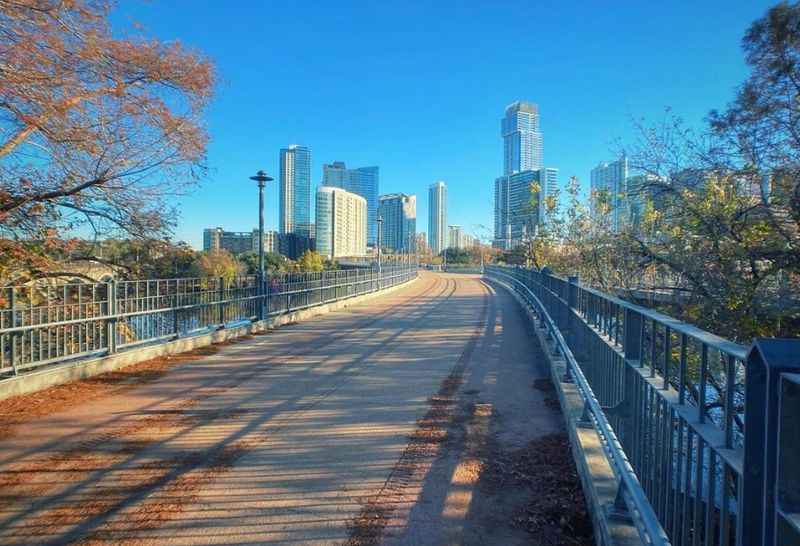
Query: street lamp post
262, 178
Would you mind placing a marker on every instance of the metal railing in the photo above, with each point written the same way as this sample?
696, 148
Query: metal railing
43, 324
668, 400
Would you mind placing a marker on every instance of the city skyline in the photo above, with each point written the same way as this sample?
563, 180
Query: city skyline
423, 129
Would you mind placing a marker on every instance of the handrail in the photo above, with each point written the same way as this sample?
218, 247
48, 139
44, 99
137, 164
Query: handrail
47, 324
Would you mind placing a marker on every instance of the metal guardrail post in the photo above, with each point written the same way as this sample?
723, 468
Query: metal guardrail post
175, 311
632, 336
221, 297
14, 337
787, 525
572, 303
111, 324
263, 294
766, 361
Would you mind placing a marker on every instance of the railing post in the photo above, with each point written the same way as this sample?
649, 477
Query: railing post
572, 302
266, 296
788, 486
175, 303
111, 323
14, 337
632, 336
220, 298
766, 361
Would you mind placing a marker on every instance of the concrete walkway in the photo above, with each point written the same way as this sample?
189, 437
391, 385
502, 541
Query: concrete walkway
363, 426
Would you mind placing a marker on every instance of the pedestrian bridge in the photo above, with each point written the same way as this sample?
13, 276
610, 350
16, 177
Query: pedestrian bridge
401, 408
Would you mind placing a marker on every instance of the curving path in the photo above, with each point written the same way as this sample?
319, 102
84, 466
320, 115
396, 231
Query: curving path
366, 425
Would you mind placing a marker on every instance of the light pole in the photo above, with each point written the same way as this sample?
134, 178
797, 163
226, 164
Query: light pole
262, 178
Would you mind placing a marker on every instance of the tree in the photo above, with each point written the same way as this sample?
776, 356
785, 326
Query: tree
273, 262
457, 256
311, 261
140, 259
96, 132
218, 264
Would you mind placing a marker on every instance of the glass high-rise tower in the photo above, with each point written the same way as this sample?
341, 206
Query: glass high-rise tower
522, 140
520, 194
295, 190
437, 217
363, 181
399, 213
609, 183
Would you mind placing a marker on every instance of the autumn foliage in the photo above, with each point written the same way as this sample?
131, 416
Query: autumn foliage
96, 131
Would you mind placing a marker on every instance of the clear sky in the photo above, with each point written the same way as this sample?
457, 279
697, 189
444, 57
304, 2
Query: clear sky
418, 87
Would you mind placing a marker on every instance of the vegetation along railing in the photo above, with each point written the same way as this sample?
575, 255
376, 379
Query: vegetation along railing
700, 453
45, 323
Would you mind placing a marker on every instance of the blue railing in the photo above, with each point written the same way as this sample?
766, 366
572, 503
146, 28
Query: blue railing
669, 399
45, 323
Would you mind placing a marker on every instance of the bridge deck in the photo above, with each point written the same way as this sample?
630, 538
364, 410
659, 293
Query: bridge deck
373, 422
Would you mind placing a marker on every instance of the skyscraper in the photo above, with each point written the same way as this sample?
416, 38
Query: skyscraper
518, 208
437, 217
341, 223
548, 183
519, 195
608, 184
399, 213
295, 190
522, 141
363, 181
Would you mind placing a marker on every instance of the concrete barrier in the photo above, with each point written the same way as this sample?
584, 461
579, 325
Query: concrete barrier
88, 367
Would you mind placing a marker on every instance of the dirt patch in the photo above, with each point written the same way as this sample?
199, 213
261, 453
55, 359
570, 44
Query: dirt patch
550, 399
556, 513
544, 385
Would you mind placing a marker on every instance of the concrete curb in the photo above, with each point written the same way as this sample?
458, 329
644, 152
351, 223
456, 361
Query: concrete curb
597, 477
84, 368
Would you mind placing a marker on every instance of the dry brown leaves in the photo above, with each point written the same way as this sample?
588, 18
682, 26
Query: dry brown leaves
557, 513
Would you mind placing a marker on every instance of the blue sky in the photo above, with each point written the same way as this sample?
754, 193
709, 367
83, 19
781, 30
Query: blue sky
418, 87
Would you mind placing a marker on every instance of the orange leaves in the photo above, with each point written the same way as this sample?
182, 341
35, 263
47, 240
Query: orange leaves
95, 132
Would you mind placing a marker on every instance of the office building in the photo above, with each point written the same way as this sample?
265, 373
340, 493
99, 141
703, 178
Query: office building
237, 242
608, 191
518, 208
522, 140
341, 223
363, 181
295, 190
422, 243
520, 195
399, 214
457, 238
437, 217
294, 245
519, 205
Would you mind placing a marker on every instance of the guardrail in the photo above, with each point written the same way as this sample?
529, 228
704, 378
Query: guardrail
672, 407
44, 324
